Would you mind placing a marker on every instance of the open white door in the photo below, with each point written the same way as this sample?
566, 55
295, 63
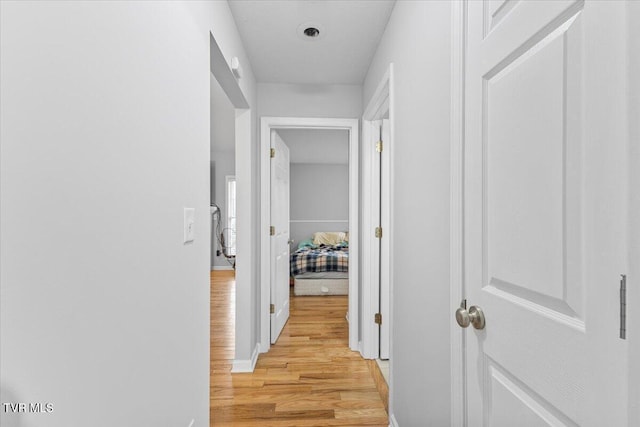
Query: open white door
279, 235
545, 176
374, 146
378, 252
379, 211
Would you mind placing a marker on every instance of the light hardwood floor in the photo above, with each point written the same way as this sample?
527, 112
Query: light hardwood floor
308, 378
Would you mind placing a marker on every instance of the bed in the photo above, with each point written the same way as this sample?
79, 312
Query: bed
320, 266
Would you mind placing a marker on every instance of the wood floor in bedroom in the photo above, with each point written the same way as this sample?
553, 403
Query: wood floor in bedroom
308, 378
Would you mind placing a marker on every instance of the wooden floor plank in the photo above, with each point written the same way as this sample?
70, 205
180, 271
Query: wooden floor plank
309, 378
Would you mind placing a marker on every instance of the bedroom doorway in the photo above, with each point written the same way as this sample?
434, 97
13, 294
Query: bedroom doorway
309, 218
303, 228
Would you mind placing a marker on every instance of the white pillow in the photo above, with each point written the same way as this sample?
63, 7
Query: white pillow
329, 237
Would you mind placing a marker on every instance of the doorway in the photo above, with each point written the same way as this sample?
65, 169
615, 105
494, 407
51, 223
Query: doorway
317, 261
268, 125
222, 179
377, 152
231, 111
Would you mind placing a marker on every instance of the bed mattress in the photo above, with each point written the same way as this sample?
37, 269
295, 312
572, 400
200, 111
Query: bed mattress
323, 286
320, 259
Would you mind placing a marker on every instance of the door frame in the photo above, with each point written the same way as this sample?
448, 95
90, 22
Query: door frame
244, 273
456, 208
274, 123
633, 282
380, 103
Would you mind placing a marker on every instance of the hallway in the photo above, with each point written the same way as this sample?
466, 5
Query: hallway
309, 378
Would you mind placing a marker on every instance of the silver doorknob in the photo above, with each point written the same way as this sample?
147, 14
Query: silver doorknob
474, 317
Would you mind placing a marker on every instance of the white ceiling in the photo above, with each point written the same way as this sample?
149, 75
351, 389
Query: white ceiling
316, 145
349, 34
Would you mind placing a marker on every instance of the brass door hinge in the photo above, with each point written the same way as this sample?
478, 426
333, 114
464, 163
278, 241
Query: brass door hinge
378, 232
379, 146
272, 308
378, 318
272, 231
272, 153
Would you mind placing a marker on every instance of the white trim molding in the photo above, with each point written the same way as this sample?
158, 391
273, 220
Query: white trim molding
633, 275
392, 421
246, 365
267, 124
221, 268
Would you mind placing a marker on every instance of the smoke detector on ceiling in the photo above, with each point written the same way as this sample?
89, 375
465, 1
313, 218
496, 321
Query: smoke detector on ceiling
310, 31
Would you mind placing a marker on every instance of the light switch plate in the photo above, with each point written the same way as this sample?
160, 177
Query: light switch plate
189, 224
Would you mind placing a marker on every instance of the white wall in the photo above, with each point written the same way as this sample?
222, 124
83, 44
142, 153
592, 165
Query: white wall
104, 141
224, 166
223, 149
317, 145
223, 117
417, 41
292, 100
318, 192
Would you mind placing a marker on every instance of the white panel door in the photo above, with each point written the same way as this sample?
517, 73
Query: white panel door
545, 224
279, 240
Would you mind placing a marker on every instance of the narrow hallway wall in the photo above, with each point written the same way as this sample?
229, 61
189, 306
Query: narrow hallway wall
417, 41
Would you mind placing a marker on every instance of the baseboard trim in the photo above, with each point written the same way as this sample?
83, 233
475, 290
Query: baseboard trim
246, 365
392, 421
221, 267
380, 382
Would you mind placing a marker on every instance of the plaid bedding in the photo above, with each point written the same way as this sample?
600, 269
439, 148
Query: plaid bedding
321, 259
